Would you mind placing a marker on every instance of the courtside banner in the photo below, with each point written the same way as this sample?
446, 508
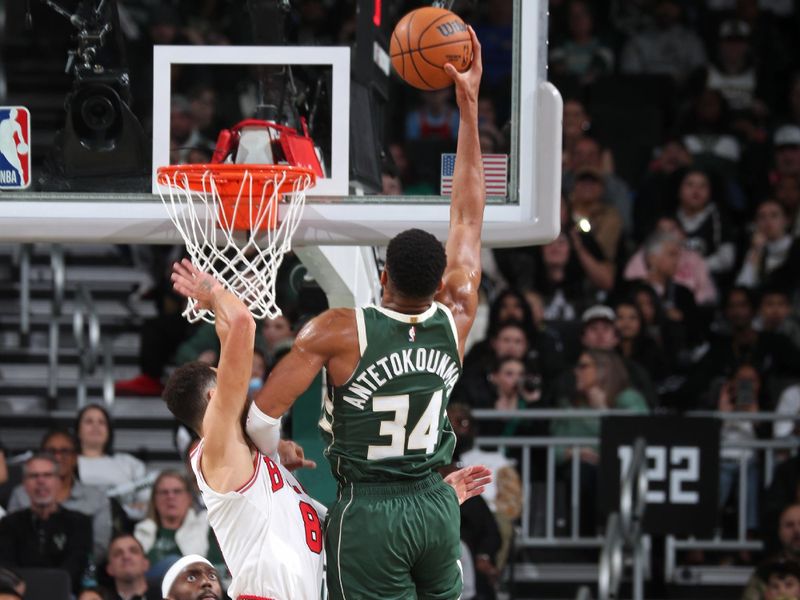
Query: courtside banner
682, 471
15, 147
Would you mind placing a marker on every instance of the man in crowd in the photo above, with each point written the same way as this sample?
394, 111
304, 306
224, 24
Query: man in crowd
127, 565
191, 578
789, 550
46, 534
70, 492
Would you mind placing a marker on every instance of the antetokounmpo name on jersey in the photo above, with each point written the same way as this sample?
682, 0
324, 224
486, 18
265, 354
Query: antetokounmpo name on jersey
405, 362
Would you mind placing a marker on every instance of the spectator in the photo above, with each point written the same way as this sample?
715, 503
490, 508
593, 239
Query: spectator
190, 578
636, 344
771, 354
100, 466
707, 231
786, 190
601, 383
582, 55
480, 533
676, 302
786, 153
543, 356
788, 537
46, 534
409, 179
436, 119
71, 493
127, 565
599, 333
503, 495
773, 257
781, 579
172, 527
788, 404
604, 220
514, 389
740, 394
667, 48
774, 314
652, 195
692, 272
575, 127
734, 73
510, 340
561, 280
183, 130
708, 136
588, 156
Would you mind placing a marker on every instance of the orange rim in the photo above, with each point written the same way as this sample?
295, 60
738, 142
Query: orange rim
226, 175
228, 183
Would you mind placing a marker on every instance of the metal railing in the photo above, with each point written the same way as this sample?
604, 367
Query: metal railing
623, 533
25, 251
56, 305
549, 539
91, 347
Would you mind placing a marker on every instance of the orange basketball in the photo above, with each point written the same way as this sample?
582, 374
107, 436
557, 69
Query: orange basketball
423, 41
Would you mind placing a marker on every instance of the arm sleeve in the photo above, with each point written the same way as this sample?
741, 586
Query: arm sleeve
263, 430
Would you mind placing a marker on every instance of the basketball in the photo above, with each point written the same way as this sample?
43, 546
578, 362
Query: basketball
424, 41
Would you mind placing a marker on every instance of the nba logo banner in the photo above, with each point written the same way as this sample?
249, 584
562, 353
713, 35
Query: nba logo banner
15, 155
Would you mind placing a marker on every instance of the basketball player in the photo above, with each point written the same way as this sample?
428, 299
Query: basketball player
269, 529
394, 531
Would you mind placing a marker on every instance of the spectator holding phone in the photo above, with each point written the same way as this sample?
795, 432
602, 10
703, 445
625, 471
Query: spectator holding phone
739, 394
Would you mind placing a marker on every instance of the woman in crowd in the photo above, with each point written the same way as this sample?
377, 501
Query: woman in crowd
601, 382
635, 343
100, 466
172, 527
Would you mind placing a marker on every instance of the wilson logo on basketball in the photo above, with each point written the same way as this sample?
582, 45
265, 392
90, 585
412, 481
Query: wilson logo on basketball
451, 27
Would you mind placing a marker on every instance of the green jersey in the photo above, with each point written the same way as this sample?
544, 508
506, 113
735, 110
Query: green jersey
388, 421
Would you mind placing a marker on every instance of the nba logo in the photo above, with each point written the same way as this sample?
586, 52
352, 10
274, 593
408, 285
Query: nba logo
15, 156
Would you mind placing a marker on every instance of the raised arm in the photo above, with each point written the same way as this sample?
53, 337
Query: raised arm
226, 460
462, 274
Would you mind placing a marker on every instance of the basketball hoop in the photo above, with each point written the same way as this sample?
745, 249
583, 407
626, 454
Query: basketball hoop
227, 214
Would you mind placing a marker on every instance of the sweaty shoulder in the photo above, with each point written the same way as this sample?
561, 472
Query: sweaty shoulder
329, 333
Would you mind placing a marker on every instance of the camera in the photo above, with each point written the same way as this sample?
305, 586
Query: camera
530, 384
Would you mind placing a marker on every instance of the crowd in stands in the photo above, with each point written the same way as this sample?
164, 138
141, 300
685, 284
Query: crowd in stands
673, 286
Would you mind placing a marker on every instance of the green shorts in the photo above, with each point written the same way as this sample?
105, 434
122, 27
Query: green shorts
394, 542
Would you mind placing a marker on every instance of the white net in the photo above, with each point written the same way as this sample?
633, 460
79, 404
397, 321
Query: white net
242, 246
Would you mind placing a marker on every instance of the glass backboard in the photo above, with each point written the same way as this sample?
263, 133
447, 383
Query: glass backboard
148, 84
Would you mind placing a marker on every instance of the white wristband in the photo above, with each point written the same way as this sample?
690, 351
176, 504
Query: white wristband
264, 431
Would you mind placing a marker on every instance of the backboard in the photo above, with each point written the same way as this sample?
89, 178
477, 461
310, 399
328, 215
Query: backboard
161, 85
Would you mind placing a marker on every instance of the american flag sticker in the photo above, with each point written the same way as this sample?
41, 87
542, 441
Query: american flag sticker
495, 172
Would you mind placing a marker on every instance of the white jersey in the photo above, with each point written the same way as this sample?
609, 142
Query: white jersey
269, 531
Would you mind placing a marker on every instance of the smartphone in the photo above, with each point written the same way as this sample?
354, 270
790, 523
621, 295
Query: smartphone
745, 394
